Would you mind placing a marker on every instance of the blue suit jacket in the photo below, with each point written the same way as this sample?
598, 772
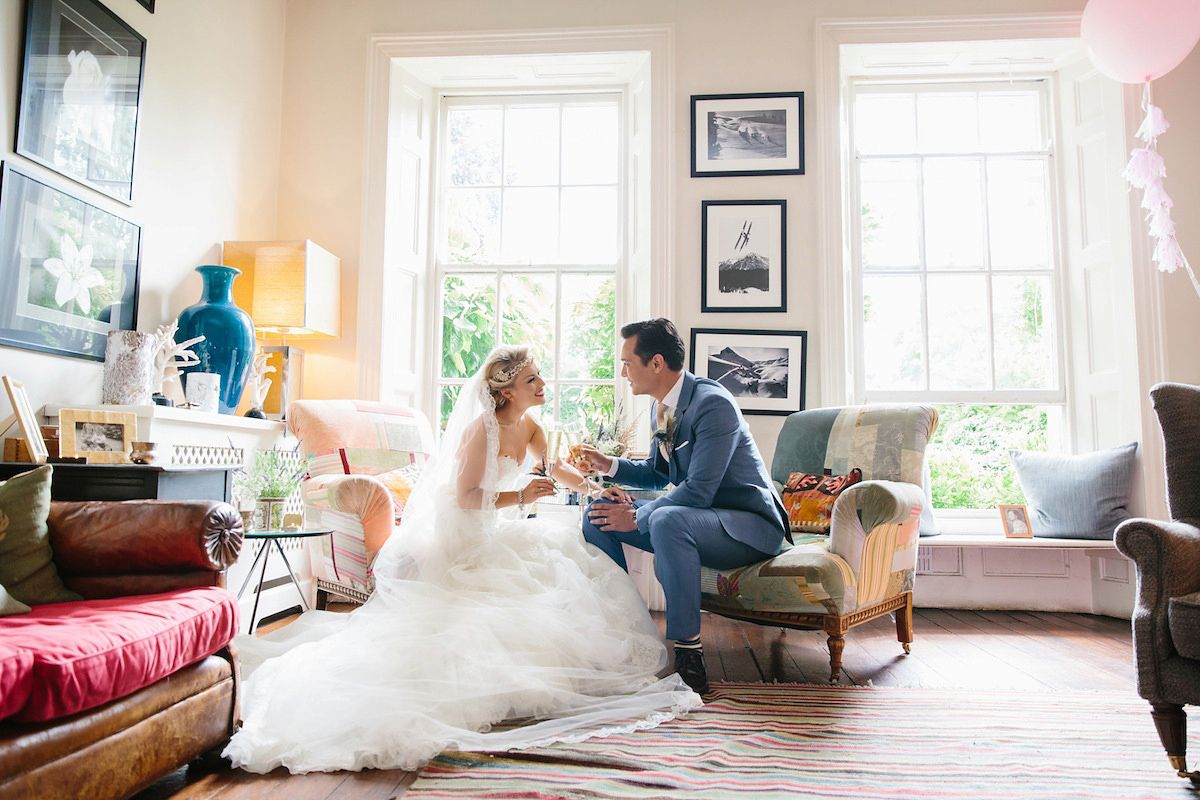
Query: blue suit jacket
715, 464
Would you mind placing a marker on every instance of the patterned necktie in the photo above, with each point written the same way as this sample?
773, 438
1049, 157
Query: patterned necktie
661, 415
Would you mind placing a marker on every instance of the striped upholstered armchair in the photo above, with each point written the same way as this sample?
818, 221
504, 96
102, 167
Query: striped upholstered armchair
864, 567
362, 460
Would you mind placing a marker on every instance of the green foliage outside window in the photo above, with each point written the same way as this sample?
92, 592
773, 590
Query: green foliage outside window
968, 455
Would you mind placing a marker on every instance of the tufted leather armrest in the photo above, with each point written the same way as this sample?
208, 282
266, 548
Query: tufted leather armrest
108, 549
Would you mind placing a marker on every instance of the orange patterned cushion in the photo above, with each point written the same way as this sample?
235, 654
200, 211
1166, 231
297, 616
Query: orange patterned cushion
809, 498
400, 483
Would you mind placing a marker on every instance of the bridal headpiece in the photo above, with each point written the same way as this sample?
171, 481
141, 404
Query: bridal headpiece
502, 377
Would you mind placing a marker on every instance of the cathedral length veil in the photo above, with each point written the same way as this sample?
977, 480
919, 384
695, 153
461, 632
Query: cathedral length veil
486, 632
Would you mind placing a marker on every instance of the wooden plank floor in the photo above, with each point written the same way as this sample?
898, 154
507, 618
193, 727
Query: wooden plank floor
1033, 651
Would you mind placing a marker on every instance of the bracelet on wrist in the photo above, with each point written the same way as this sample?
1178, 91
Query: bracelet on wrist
521, 498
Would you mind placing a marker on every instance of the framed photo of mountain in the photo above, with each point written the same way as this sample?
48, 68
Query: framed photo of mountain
743, 255
765, 371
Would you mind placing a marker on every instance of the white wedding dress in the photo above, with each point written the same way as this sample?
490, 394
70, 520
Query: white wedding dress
485, 632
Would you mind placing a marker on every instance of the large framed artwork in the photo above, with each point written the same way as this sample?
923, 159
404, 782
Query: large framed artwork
68, 270
81, 82
743, 255
765, 371
748, 134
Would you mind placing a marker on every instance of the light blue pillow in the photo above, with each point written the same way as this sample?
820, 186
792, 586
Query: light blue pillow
1076, 497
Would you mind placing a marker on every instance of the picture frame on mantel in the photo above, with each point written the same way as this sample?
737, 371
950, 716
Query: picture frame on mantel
743, 255
102, 437
69, 270
765, 371
81, 87
747, 134
31, 432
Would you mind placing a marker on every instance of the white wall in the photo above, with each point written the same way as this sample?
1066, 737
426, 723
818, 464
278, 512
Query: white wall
754, 45
207, 162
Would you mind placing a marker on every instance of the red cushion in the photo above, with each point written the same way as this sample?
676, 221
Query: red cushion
16, 677
92, 652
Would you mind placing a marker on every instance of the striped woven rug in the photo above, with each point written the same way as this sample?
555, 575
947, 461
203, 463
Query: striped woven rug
761, 742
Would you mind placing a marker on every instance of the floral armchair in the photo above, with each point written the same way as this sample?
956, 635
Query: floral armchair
865, 566
362, 460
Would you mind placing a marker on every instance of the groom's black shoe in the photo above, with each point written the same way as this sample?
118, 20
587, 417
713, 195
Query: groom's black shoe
689, 663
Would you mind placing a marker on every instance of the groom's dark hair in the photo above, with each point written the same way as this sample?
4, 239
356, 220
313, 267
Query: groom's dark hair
656, 337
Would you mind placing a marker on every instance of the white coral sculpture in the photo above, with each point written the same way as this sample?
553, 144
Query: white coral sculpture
260, 384
171, 356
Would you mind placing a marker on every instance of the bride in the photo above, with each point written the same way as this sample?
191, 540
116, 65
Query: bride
487, 631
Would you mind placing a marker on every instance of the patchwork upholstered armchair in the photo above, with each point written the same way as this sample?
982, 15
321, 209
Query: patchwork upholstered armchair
1166, 616
864, 567
363, 458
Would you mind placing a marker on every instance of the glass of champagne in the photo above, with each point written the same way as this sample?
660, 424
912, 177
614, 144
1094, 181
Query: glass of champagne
553, 448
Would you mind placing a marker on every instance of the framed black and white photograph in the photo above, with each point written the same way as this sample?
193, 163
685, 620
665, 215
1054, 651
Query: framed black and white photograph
102, 437
81, 83
68, 270
764, 370
748, 134
31, 432
743, 261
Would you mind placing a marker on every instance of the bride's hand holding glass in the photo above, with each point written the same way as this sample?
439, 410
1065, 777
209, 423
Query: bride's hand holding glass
536, 489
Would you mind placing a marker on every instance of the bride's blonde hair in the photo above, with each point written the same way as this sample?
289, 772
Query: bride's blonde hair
502, 367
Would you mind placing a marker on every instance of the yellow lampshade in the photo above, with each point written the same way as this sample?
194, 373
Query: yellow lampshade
291, 288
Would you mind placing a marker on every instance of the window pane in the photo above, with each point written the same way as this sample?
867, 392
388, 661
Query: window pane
474, 146
1010, 121
530, 146
449, 395
1021, 305
1017, 213
892, 342
589, 225
472, 225
530, 228
586, 408
891, 223
953, 213
589, 144
528, 307
589, 326
885, 123
947, 123
468, 323
958, 333
969, 465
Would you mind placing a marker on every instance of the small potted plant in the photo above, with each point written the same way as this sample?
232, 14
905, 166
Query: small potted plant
268, 482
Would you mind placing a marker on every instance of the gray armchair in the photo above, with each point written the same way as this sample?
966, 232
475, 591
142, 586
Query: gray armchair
1166, 618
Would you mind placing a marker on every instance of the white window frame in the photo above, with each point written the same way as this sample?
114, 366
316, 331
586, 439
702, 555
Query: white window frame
1055, 395
444, 267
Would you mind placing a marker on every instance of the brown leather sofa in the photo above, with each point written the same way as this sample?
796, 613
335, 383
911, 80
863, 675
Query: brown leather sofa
119, 549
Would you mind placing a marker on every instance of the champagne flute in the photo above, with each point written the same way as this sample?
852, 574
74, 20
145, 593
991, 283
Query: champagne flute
550, 456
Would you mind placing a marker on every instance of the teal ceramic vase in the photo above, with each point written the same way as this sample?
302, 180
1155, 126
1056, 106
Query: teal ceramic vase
228, 346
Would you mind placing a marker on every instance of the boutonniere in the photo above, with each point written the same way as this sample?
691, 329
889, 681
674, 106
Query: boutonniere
665, 434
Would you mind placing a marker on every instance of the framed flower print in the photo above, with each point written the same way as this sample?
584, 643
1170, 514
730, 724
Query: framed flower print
81, 85
68, 269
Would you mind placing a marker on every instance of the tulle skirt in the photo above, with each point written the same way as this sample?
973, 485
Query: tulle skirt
529, 637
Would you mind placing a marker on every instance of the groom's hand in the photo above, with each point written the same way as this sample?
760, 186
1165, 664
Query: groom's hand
616, 517
591, 457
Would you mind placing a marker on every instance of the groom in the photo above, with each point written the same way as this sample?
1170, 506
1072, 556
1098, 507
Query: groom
722, 512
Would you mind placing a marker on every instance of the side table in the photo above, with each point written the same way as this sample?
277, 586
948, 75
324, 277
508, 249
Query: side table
271, 538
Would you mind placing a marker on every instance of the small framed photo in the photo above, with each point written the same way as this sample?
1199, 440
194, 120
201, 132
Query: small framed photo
23, 411
748, 134
81, 85
68, 270
102, 437
1016, 522
763, 370
743, 255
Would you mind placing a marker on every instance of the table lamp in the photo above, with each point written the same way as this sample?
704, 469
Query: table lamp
292, 289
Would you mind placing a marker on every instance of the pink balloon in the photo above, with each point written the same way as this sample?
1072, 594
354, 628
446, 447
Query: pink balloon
1134, 41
